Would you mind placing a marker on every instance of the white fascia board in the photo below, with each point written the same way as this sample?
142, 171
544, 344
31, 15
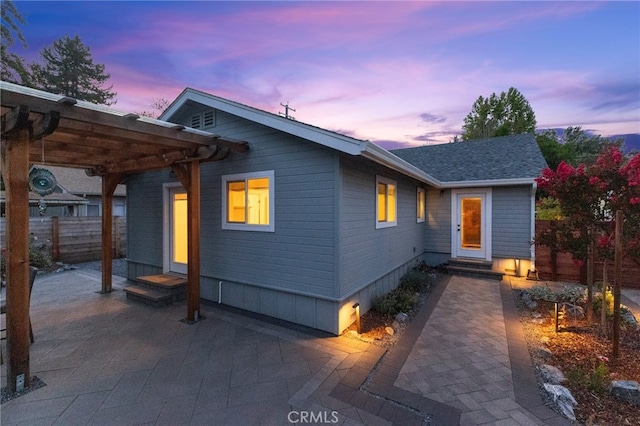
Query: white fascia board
487, 182
305, 131
382, 156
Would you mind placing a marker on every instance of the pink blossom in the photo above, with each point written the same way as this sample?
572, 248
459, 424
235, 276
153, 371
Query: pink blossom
603, 241
579, 263
635, 200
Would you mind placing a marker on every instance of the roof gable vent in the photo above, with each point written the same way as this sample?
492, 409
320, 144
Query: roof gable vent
196, 121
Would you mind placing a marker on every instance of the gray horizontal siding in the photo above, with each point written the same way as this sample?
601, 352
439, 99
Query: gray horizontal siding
438, 221
367, 253
300, 255
145, 215
511, 224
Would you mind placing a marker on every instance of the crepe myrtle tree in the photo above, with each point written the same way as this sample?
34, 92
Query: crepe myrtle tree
589, 198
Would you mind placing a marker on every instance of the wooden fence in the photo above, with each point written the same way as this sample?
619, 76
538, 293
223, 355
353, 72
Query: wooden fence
75, 239
561, 267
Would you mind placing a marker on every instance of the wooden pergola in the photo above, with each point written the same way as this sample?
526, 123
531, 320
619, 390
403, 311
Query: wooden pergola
41, 127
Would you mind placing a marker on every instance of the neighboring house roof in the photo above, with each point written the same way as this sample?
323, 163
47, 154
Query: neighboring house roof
514, 158
76, 181
321, 136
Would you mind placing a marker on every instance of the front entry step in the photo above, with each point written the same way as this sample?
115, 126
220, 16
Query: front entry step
158, 290
473, 268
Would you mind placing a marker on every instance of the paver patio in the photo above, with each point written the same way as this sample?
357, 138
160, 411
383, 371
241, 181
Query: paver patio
106, 360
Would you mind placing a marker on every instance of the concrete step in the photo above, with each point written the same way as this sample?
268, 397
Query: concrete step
174, 285
475, 272
471, 263
148, 296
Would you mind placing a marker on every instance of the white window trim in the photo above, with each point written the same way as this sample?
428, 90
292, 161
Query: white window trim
270, 174
424, 200
386, 181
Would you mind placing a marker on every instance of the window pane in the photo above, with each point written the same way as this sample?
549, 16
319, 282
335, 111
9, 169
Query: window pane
258, 201
421, 209
236, 202
391, 203
382, 202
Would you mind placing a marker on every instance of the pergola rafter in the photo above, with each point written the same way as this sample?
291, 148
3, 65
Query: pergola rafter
107, 143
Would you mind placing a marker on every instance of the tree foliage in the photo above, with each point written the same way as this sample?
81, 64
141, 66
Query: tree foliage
574, 146
157, 108
12, 68
588, 197
506, 114
68, 70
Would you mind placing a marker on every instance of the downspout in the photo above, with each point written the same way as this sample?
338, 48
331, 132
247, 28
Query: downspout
533, 273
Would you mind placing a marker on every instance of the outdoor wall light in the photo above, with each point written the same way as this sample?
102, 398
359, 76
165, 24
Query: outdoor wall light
356, 306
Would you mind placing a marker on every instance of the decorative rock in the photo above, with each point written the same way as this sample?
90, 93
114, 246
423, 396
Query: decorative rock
572, 311
532, 304
353, 333
544, 352
627, 317
626, 390
551, 374
390, 331
562, 396
402, 317
537, 321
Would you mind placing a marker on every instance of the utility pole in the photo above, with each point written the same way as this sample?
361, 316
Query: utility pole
286, 114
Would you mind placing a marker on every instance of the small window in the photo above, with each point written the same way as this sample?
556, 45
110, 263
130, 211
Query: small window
420, 205
248, 201
386, 202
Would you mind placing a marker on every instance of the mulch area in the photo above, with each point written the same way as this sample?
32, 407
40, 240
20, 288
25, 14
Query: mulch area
584, 354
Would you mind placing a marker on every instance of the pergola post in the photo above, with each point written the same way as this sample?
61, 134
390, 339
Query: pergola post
109, 183
15, 172
193, 241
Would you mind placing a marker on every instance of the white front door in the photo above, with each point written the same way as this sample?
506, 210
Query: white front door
177, 230
471, 223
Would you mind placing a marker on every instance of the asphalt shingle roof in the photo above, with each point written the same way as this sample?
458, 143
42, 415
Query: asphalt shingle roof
506, 157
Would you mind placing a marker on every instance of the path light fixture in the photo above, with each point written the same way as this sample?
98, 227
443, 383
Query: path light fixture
356, 306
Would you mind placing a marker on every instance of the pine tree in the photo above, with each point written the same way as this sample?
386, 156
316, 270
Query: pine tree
68, 70
12, 67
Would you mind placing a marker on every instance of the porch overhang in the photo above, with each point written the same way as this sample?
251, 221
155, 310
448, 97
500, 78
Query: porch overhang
40, 127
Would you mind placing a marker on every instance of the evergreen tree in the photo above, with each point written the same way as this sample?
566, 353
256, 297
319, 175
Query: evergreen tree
12, 68
507, 114
68, 70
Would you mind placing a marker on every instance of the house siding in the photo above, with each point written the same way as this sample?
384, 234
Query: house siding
367, 253
290, 273
437, 234
511, 222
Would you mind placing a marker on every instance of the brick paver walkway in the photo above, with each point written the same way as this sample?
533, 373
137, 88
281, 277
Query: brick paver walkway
462, 358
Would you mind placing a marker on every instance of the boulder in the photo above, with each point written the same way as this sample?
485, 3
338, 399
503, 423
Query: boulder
626, 390
543, 352
562, 396
390, 331
572, 311
402, 317
551, 374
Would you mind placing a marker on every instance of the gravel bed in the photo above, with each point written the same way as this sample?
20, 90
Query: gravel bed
119, 266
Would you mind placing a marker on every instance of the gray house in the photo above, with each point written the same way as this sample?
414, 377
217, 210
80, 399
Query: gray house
309, 222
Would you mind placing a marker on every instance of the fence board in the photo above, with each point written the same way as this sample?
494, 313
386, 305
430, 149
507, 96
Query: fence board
567, 270
75, 239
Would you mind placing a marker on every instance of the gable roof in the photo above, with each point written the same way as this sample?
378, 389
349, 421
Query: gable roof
513, 158
337, 141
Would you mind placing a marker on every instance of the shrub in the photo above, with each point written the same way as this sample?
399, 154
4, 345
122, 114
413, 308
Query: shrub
595, 380
597, 303
413, 280
394, 302
540, 292
574, 294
